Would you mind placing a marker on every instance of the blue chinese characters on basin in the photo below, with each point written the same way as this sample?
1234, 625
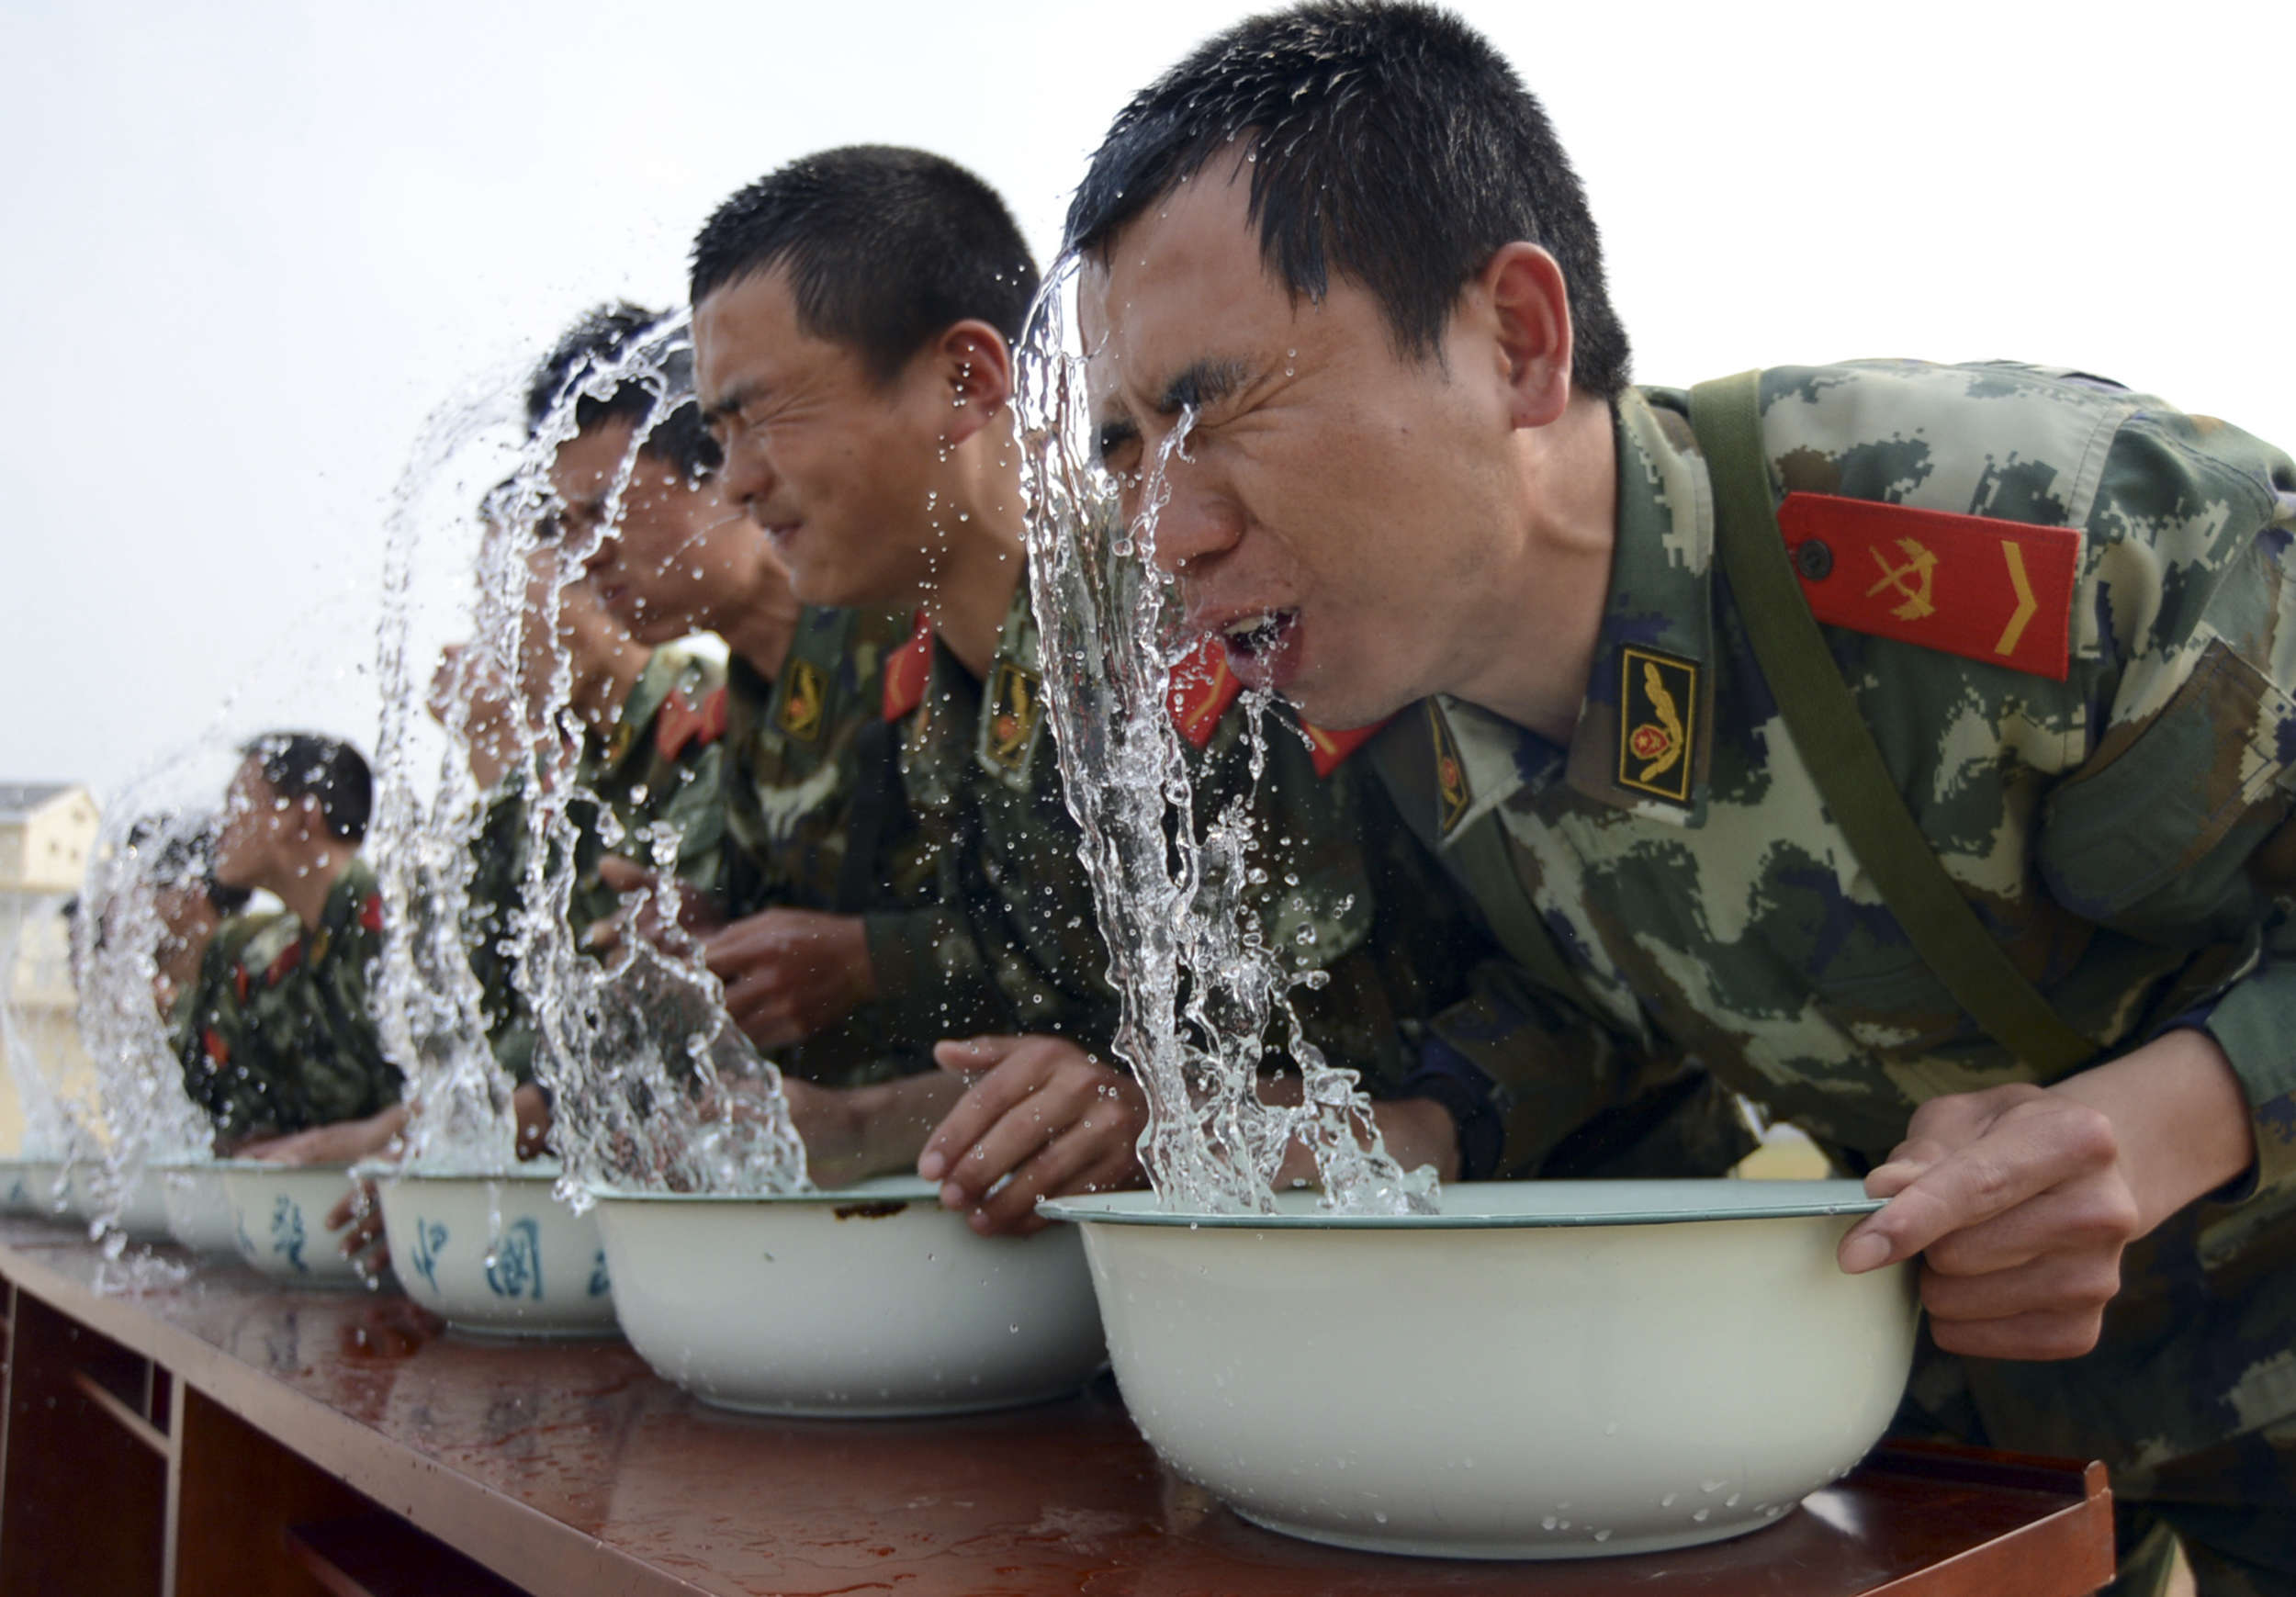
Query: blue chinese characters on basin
515, 1268
286, 1232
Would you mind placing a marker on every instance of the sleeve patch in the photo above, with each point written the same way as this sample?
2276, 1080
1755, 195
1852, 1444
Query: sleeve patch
1991, 590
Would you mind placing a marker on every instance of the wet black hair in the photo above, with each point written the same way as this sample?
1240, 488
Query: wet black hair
602, 338
1389, 144
301, 765
885, 249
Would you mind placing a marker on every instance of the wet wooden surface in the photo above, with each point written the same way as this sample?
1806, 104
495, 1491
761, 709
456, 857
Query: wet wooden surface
568, 1469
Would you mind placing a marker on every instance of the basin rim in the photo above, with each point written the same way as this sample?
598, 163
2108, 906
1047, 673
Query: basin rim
1508, 1206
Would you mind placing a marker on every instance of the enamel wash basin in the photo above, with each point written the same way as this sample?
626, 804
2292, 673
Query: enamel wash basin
1543, 1371
866, 1301
498, 1254
279, 1219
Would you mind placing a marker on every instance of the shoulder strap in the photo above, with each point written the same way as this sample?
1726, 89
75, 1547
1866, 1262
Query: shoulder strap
1839, 751
1486, 856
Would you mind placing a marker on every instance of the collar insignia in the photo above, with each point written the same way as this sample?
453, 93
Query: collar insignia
808, 690
1658, 708
1453, 797
1016, 706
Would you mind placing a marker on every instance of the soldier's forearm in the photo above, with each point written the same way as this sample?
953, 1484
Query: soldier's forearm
2179, 1114
1416, 1132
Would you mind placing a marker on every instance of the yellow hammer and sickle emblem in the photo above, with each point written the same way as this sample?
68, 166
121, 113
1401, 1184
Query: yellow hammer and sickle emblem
1669, 718
1013, 727
1912, 579
801, 714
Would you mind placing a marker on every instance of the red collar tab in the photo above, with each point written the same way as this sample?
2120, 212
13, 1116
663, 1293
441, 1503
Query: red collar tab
908, 669
239, 982
1330, 749
1991, 590
1202, 689
677, 723
284, 967
371, 912
211, 1043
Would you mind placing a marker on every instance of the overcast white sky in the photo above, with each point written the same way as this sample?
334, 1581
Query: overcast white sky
247, 249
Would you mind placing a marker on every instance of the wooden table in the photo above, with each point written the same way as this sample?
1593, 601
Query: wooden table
218, 1436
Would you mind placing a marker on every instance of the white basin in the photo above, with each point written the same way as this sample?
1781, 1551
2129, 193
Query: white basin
498, 1254
199, 1213
279, 1220
870, 1301
1544, 1370
144, 1215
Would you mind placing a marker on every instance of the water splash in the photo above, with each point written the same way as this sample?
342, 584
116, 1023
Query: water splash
1199, 982
655, 1087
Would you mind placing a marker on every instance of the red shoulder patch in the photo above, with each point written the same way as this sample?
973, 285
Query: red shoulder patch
371, 912
1986, 589
1202, 689
284, 967
218, 1051
1330, 749
908, 669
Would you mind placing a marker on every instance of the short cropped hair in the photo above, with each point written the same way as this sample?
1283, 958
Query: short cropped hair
1389, 144
602, 338
885, 249
301, 765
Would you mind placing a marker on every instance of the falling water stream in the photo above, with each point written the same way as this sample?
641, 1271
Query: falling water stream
1200, 981
653, 1087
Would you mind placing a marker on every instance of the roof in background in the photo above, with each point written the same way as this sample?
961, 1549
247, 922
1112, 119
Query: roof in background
19, 799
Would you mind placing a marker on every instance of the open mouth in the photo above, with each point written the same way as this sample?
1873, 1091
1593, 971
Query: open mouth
1253, 639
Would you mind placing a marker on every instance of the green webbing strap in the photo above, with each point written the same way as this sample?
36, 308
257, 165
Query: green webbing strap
1839, 751
1485, 856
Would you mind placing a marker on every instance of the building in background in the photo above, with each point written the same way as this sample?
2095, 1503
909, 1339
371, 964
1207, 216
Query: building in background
46, 832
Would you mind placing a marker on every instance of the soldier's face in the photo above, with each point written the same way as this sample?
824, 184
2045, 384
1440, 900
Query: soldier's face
1333, 501
663, 564
254, 818
840, 470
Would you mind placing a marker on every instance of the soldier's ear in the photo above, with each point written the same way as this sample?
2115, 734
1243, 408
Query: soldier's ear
974, 370
1520, 303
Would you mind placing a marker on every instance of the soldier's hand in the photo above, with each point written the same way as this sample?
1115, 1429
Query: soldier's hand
1044, 1119
791, 973
533, 1109
2022, 1198
665, 915
343, 1142
359, 1215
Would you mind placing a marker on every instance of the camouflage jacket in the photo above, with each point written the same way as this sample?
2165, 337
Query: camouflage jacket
665, 765
662, 764
1014, 943
227, 1071
345, 1074
283, 1038
812, 772
2122, 830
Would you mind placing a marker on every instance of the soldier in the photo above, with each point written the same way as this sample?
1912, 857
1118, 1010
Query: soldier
1947, 815
797, 827
854, 316
295, 813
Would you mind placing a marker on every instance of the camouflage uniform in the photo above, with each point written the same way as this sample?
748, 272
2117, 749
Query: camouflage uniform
1015, 946
345, 1073
284, 1039
811, 769
227, 1071
664, 762
2123, 832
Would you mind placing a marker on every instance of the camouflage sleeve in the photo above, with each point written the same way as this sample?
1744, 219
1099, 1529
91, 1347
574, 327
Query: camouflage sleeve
2174, 829
931, 981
